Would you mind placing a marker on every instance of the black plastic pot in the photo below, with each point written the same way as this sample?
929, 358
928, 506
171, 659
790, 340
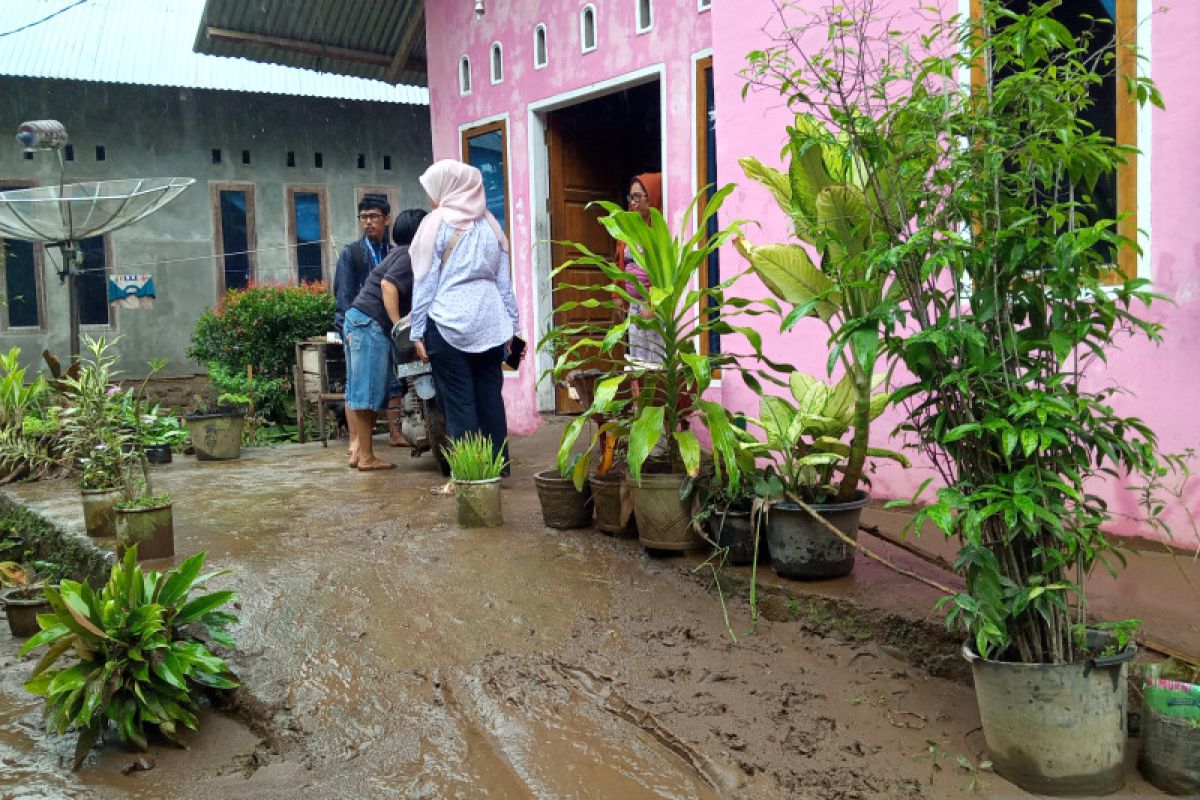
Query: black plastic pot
804, 549
158, 453
1170, 756
733, 531
22, 611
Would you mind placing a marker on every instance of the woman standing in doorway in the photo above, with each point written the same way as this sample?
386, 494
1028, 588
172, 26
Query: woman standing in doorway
464, 315
645, 193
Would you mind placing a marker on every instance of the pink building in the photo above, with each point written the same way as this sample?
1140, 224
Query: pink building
561, 101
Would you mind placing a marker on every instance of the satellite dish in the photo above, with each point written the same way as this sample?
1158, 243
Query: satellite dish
75, 211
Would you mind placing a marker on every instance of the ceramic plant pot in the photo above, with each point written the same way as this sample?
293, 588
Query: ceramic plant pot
151, 529
613, 504
563, 506
99, 518
478, 503
216, 437
21, 607
664, 519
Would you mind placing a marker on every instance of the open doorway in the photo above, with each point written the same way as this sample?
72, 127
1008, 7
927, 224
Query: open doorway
593, 148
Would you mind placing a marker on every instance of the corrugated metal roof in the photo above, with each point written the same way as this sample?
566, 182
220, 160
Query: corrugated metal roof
347, 37
150, 43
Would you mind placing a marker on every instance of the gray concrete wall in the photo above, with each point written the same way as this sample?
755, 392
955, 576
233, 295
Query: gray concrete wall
153, 132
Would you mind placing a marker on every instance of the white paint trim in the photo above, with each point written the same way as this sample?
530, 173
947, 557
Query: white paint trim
539, 195
541, 26
497, 76
464, 87
1145, 115
703, 5
583, 46
637, 16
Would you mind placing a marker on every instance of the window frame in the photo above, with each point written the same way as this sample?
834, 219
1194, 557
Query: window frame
214, 194
289, 205
464, 75
1124, 30
700, 65
113, 309
39, 269
496, 59
637, 16
703, 5
583, 15
470, 131
541, 28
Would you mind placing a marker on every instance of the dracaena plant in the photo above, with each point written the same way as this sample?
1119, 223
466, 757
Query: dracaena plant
987, 218
124, 657
824, 196
805, 437
91, 420
659, 404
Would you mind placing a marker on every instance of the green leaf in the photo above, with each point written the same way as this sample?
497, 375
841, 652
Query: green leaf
789, 273
194, 609
71, 678
775, 181
644, 434
180, 581
689, 450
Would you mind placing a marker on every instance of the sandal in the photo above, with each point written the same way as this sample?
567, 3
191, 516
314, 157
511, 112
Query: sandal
376, 466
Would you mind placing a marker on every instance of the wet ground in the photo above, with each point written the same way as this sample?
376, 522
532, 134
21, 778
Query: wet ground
385, 652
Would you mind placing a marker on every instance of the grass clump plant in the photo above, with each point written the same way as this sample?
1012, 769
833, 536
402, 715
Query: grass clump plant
473, 458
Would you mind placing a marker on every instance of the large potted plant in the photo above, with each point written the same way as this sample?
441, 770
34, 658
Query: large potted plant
145, 518
215, 425
985, 205
652, 408
92, 432
131, 654
805, 438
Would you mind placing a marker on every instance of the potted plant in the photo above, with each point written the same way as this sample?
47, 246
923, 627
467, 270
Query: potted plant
1170, 757
984, 209
92, 432
215, 426
145, 519
22, 599
475, 468
805, 440
731, 519
651, 408
132, 658
160, 431
563, 505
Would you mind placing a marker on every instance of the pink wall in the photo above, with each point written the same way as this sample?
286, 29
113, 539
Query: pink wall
679, 30
1163, 382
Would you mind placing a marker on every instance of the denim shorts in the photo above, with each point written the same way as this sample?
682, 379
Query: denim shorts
367, 349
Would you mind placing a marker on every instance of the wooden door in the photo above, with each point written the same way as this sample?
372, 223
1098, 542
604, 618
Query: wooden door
580, 172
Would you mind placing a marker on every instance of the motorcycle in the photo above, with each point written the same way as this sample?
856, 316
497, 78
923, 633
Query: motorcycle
421, 418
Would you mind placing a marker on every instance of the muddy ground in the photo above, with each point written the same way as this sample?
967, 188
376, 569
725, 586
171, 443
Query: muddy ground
385, 652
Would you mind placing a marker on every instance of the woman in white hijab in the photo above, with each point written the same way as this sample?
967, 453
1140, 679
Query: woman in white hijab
464, 315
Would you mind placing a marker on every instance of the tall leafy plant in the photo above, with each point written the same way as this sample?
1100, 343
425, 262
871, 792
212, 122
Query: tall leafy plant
653, 405
130, 660
91, 420
1005, 303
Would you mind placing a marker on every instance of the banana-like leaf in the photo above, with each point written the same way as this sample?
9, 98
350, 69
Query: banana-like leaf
788, 271
812, 394
828, 444
879, 452
775, 181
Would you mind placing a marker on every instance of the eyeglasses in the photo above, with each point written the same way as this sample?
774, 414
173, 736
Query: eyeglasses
370, 217
636, 197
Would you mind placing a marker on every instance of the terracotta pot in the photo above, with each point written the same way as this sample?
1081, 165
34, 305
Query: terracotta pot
613, 504
22, 611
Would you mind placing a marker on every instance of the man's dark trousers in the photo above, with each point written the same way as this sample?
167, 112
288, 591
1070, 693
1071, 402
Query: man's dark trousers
469, 389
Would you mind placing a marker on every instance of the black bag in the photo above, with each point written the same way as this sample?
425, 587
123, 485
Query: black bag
513, 359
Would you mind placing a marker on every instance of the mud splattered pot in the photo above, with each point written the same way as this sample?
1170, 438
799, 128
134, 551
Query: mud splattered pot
563, 506
664, 519
1170, 756
1057, 729
478, 503
151, 529
734, 530
21, 607
216, 437
99, 518
804, 549
614, 505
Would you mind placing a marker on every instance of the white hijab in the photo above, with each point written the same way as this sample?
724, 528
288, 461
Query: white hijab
457, 189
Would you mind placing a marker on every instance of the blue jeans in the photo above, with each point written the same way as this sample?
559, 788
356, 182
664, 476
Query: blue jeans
367, 349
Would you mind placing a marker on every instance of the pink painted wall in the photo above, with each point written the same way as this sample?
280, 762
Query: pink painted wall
1163, 382
679, 30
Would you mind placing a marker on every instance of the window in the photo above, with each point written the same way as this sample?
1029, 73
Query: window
645, 16
540, 56
706, 175
497, 63
233, 226
20, 303
92, 284
307, 231
587, 28
486, 147
464, 75
703, 5
1113, 112
101, 153
216, 155
246, 157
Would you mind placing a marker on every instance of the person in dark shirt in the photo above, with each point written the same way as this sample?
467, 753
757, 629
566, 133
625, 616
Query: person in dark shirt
385, 298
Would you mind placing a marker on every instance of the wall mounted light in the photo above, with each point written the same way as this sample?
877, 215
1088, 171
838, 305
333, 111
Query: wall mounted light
479, 9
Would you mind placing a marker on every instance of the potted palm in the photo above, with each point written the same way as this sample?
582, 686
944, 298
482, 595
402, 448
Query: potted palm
475, 467
92, 432
985, 210
651, 408
145, 519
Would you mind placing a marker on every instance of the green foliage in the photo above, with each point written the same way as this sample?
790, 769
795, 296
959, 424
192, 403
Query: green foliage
805, 437
1004, 304
259, 327
92, 419
129, 660
265, 401
472, 458
647, 405
29, 432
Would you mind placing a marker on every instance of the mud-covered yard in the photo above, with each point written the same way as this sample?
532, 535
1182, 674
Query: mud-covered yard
385, 652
